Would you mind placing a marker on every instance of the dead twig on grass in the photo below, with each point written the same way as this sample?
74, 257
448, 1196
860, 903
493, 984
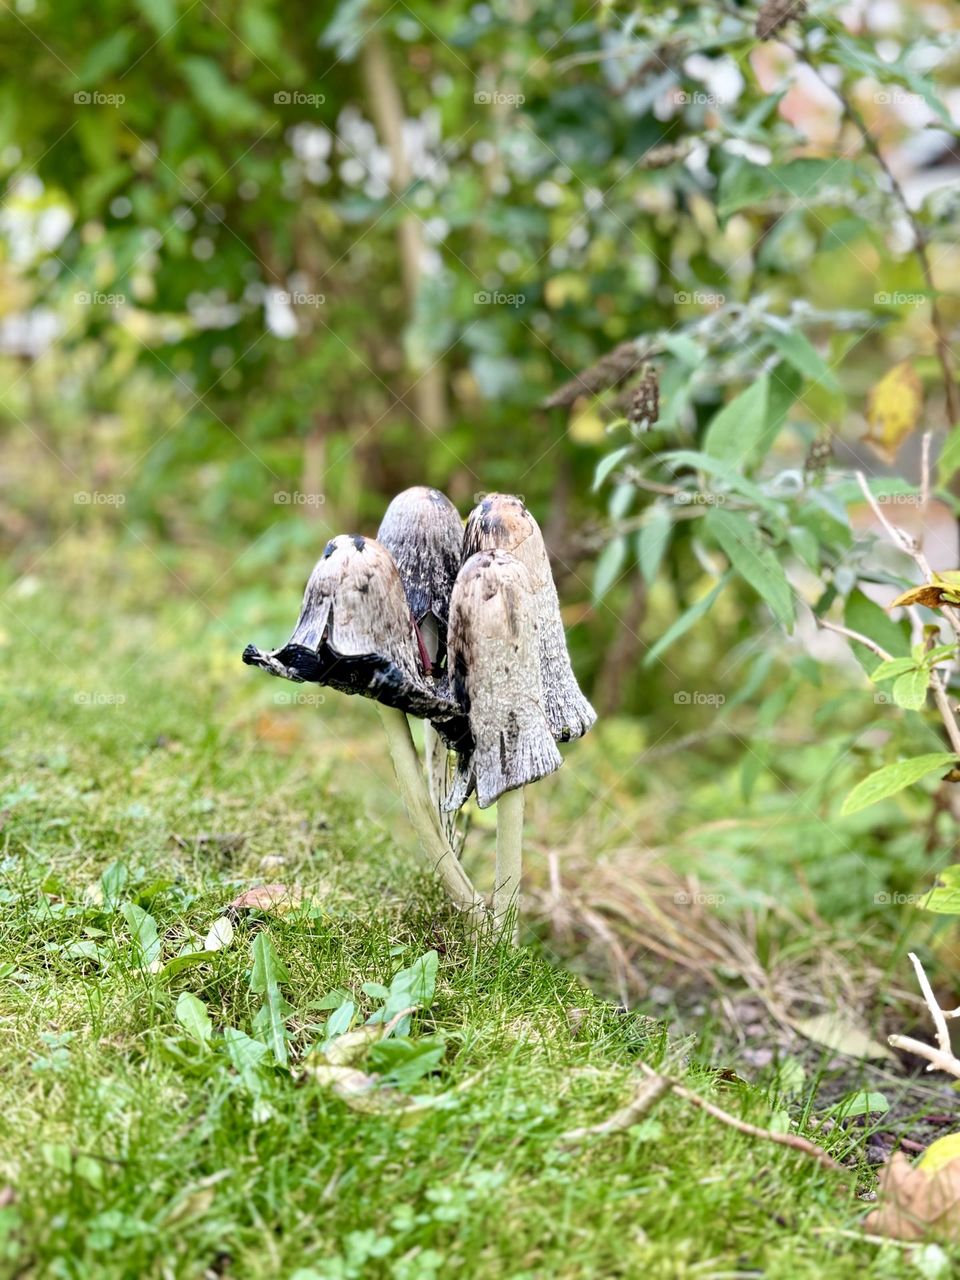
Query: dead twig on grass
657, 1085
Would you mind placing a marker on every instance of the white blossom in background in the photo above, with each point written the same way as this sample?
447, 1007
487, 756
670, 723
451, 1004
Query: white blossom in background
30, 333
278, 314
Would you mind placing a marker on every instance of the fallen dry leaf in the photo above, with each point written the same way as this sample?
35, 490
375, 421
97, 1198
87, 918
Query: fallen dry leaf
916, 1202
837, 1033
219, 936
277, 899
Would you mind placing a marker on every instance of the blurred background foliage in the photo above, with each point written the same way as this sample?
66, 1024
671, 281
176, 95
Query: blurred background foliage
262, 266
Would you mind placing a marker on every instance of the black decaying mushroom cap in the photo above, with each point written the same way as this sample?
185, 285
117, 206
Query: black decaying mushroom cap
494, 663
423, 532
502, 521
355, 634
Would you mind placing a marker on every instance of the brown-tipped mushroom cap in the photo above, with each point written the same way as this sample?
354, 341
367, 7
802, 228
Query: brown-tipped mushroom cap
423, 532
494, 663
355, 634
502, 521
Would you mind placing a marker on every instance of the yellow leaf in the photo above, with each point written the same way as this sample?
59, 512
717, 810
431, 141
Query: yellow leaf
569, 286
586, 425
943, 589
893, 409
940, 1153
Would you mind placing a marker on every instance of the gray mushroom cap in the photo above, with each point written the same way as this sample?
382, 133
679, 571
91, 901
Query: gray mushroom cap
423, 532
355, 634
494, 664
502, 521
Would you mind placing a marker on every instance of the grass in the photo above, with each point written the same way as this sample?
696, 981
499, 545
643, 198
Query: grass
143, 765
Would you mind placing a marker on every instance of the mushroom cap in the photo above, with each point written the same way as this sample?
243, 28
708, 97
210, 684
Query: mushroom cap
494, 664
423, 531
502, 521
355, 633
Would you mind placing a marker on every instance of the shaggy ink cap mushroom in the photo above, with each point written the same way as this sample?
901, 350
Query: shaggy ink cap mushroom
355, 634
494, 663
423, 532
502, 521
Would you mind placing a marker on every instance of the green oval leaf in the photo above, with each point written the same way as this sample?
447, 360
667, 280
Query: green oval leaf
893, 778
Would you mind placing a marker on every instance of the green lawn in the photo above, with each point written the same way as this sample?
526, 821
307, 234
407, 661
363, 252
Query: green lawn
144, 767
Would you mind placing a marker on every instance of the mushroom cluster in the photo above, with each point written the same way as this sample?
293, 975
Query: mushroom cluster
461, 628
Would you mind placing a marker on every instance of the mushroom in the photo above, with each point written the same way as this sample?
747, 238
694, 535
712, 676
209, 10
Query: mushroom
502, 521
423, 531
355, 633
495, 672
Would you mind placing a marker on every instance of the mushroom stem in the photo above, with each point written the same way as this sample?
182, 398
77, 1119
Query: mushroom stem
436, 849
506, 892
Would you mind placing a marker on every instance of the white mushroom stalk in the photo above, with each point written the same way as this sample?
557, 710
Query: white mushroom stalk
494, 659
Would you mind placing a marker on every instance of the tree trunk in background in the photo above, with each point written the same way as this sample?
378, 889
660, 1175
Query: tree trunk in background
622, 655
386, 107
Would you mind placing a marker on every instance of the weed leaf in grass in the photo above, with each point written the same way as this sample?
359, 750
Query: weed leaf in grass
193, 1017
403, 1061
861, 1103
245, 1055
146, 941
412, 986
268, 972
112, 884
893, 778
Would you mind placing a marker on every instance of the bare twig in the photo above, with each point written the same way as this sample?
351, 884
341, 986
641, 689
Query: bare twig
941, 1057
939, 1021
855, 635
657, 1085
644, 1100
793, 1140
